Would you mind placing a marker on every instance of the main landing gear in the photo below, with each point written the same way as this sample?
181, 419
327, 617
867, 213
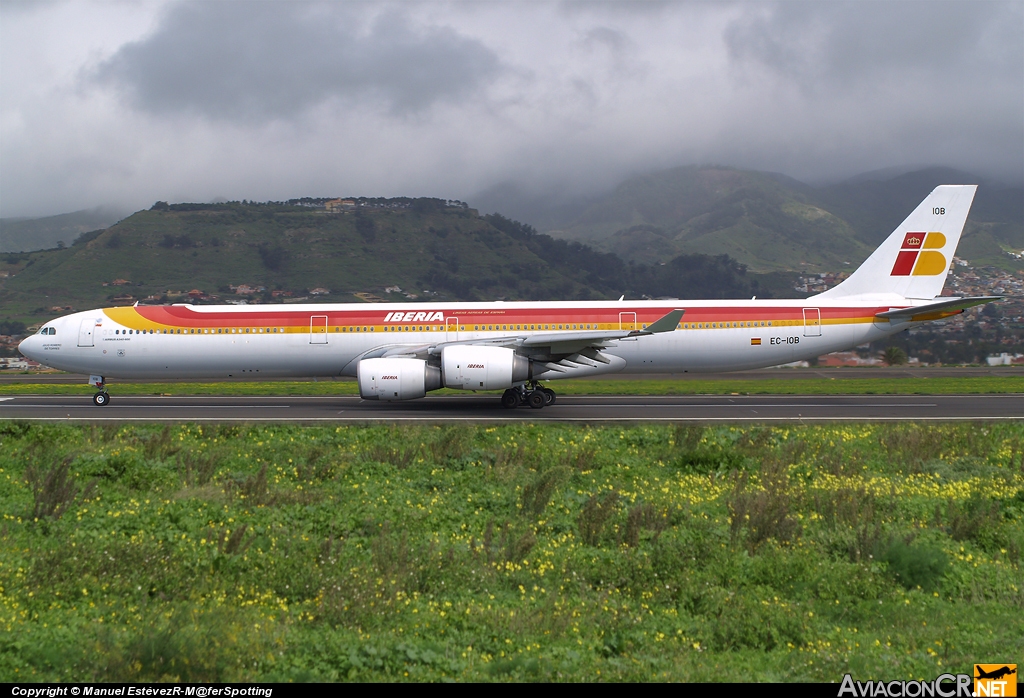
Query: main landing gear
102, 398
533, 395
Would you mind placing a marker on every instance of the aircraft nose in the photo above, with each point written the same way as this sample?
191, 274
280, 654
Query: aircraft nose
30, 347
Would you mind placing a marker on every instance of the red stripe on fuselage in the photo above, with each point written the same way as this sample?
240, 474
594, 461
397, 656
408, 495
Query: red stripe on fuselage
183, 316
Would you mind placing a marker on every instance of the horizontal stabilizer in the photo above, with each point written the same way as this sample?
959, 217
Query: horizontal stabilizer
924, 312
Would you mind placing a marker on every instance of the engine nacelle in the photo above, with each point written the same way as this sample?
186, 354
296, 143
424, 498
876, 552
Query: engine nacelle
468, 367
396, 379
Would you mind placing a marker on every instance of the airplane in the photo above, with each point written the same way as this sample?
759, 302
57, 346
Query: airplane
403, 351
995, 673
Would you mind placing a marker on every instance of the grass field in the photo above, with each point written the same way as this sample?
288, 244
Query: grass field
522, 552
805, 386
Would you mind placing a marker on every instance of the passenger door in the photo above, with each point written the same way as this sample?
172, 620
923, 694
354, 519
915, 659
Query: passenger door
627, 321
812, 322
318, 329
86, 331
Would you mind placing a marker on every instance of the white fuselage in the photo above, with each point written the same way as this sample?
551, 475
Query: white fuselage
150, 342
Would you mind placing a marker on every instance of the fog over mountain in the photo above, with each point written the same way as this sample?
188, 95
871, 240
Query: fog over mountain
124, 104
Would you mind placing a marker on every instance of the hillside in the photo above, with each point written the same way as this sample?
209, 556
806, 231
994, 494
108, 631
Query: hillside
874, 205
427, 248
767, 221
28, 234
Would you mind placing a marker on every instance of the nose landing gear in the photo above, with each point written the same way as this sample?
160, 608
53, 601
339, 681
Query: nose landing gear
534, 395
102, 398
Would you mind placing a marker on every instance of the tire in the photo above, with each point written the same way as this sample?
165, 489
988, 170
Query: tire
549, 397
510, 399
101, 399
536, 399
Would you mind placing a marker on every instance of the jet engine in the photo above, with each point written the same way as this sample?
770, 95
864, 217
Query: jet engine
469, 367
396, 379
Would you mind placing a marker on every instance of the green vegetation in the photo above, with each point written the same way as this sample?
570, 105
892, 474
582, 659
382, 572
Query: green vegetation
17, 235
772, 223
522, 552
429, 248
841, 385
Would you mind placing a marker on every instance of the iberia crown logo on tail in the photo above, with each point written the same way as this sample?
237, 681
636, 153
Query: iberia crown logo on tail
919, 255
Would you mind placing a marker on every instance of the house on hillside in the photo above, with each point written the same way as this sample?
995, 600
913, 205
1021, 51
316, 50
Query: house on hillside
339, 205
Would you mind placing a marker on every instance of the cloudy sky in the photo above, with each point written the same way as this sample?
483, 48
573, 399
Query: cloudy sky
125, 103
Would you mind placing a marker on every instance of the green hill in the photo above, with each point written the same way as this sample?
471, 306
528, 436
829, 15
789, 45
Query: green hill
27, 234
766, 221
774, 223
430, 249
875, 205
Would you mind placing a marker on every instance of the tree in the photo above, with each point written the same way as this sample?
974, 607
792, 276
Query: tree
894, 356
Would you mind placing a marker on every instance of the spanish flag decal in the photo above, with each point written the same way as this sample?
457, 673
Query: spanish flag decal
755, 341
918, 255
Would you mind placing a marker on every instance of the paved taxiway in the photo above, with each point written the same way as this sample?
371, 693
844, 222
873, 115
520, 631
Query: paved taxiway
857, 373
569, 408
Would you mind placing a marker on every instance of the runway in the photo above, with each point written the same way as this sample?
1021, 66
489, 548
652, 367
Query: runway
568, 408
858, 373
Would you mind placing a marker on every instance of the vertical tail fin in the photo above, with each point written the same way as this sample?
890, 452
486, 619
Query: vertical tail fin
914, 260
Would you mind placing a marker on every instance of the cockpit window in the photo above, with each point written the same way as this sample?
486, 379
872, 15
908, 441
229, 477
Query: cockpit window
48, 330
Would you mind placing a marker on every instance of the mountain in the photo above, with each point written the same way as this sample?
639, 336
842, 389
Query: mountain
873, 206
768, 221
428, 248
28, 234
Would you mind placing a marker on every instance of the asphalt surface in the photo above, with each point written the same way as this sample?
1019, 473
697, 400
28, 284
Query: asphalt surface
759, 374
568, 408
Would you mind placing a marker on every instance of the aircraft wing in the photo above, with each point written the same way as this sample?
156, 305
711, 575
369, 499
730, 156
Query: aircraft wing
564, 343
547, 347
933, 311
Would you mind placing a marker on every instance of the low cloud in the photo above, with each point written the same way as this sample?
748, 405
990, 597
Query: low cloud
128, 103
260, 61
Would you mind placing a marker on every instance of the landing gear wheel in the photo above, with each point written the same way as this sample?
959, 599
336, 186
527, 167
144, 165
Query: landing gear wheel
549, 397
536, 399
510, 399
101, 399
